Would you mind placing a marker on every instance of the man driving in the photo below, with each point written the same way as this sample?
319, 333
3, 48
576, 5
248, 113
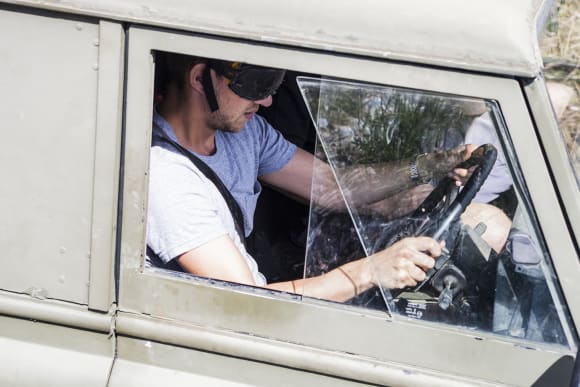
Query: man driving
206, 109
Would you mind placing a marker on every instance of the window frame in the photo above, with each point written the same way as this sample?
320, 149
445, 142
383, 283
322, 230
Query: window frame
147, 296
562, 170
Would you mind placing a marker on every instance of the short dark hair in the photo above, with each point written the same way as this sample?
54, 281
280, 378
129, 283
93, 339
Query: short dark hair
172, 69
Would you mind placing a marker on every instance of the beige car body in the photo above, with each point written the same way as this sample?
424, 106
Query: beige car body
76, 306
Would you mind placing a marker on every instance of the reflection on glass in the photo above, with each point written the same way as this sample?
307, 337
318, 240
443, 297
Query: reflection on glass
391, 152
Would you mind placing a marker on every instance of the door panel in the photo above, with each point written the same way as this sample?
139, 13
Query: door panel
310, 324
49, 84
149, 363
41, 354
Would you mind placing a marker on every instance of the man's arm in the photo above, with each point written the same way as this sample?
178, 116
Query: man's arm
401, 203
219, 259
400, 265
363, 184
403, 264
295, 178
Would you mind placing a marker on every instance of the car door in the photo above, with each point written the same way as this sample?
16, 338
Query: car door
184, 329
61, 78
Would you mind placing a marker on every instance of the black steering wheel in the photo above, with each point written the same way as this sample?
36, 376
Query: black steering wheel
442, 217
441, 209
439, 213
440, 221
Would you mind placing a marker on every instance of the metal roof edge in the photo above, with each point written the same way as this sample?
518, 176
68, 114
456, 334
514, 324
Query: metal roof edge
511, 50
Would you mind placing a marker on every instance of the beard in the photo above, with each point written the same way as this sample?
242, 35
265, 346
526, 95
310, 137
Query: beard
221, 122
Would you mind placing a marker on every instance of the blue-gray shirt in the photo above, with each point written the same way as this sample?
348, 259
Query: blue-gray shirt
241, 157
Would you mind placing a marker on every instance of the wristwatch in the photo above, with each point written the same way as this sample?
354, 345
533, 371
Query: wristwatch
414, 171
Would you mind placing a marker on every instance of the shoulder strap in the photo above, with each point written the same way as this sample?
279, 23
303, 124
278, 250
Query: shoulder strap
211, 175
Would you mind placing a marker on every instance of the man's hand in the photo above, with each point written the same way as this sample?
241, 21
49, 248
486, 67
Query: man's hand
440, 164
405, 262
437, 165
461, 174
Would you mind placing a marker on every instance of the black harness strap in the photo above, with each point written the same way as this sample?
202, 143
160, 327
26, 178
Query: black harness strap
208, 89
233, 206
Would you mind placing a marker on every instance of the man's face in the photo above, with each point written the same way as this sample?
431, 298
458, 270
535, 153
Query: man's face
234, 111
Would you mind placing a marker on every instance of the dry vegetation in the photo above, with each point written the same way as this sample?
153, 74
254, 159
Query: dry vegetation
561, 52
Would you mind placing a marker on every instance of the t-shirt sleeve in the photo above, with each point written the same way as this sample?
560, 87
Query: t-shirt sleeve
275, 150
182, 213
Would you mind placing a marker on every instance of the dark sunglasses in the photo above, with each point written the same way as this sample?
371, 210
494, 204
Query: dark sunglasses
255, 82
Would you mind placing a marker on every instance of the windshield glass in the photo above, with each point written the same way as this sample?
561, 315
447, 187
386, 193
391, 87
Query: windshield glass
389, 151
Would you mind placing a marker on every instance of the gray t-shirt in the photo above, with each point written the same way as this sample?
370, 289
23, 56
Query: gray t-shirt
186, 210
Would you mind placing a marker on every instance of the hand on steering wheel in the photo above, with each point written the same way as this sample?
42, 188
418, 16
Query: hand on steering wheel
483, 158
440, 219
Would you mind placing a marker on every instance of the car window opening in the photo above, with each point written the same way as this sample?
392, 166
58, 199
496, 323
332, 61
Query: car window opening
493, 273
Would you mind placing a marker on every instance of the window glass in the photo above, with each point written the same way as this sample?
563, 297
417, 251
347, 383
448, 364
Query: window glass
384, 146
